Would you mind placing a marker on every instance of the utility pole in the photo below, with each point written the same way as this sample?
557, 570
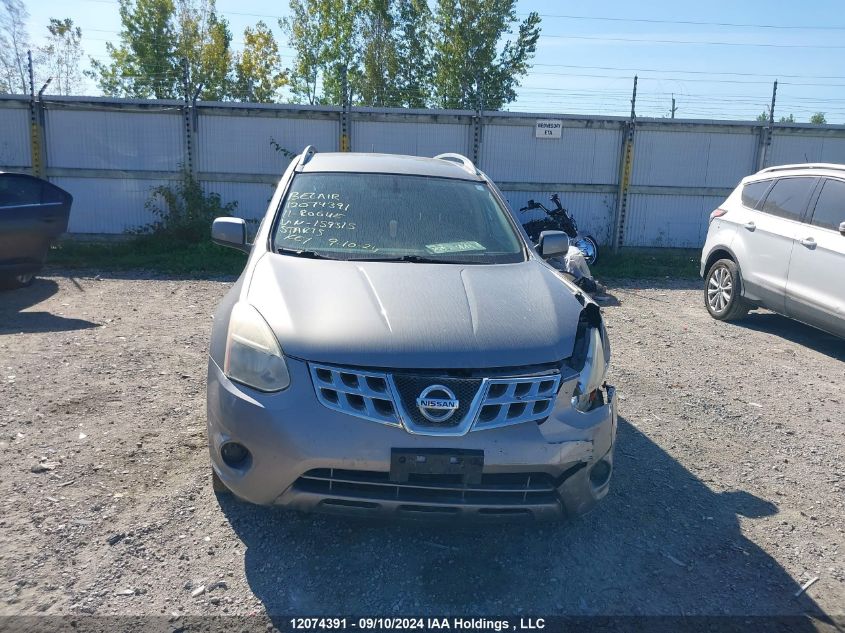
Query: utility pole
346, 104
36, 123
31, 75
477, 119
626, 163
634, 100
673, 106
772, 108
768, 132
188, 114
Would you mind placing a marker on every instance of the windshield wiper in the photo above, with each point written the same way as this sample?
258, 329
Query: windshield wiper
417, 259
303, 253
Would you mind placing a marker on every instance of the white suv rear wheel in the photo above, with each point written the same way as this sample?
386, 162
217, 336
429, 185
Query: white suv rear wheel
723, 291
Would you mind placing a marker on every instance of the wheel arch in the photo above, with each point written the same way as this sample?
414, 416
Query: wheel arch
720, 252
723, 252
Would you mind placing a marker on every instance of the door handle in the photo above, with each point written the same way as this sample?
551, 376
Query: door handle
809, 242
750, 226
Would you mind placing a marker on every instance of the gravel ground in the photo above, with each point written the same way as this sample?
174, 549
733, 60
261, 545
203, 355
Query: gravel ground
729, 492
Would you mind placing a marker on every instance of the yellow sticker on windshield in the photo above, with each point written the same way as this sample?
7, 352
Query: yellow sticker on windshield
454, 247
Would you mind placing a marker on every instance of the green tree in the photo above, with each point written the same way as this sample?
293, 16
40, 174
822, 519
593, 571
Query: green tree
340, 52
204, 40
303, 29
258, 67
763, 117
818, 119
414, 42
327, 37
379, 77
351, 49
787, 119
61, 55
471, 65
14, 43
156, 40
145, 62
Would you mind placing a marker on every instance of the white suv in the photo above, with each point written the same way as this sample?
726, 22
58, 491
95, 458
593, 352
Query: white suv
778, 242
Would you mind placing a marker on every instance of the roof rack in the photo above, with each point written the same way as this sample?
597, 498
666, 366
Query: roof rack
831, 166
461, 160
305, 156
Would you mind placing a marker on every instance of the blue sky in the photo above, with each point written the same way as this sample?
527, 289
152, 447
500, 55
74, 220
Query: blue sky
589, 52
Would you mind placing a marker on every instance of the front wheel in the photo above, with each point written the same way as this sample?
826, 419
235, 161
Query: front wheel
17, 281
587, 245
723, 292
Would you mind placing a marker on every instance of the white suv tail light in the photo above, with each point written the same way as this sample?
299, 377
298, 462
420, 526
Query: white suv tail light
718, 213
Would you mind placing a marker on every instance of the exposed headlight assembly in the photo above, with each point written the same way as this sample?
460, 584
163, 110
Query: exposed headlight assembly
592, 347
253, 356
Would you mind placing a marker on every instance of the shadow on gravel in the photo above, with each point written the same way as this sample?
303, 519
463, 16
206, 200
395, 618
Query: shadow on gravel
796, 332
662, 543
13, 319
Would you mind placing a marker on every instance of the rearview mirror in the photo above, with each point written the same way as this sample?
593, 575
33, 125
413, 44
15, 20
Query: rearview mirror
229, 232
842, 228
553, 243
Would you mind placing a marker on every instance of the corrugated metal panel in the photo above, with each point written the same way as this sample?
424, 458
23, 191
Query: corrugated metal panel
409, 137
252, 198
693, 159
833, 150
512, 153
593, 212
115, 140
791, 148
668, 220
242, 145
140, 136
14, 137
108, 205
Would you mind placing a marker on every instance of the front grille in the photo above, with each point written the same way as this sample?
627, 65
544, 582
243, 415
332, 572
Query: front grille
359, 393
516, 400
494, 489
483, 403
410, 386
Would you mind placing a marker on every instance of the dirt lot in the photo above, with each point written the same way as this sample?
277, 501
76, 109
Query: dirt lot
729, 492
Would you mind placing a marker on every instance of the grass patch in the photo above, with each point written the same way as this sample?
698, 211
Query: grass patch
648, 263
206, 259
148, 253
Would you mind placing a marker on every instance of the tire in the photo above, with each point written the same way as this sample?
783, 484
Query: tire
723, 292
217, 485
17, 281
591, 253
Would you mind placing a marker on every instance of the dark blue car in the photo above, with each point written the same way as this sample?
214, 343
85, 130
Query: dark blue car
33, 213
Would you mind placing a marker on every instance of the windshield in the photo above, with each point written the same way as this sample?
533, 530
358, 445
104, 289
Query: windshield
395, 217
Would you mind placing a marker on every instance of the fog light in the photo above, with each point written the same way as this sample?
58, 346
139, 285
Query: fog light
600, 473
234, 454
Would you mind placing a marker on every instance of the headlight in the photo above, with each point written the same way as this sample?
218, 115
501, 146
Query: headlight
253, 355
588, 390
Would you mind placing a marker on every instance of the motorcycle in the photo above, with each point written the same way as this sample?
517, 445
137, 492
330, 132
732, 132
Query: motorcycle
559, 219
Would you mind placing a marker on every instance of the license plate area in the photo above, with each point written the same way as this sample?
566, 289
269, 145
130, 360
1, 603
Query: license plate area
436, 465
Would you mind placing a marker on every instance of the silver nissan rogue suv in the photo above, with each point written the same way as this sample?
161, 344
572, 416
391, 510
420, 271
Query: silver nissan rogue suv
396, 345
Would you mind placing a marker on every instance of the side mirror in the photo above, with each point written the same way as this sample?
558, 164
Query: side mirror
842, 228
553, 243
229, 232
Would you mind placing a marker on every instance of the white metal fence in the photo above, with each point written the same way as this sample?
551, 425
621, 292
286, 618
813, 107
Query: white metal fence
649, 182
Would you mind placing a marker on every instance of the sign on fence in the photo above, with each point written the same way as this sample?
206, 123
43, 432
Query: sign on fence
548, 128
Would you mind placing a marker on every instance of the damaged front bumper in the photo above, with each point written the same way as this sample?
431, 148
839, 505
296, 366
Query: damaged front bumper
310, 458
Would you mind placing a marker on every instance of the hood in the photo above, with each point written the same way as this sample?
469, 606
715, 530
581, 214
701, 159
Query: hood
411, 315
